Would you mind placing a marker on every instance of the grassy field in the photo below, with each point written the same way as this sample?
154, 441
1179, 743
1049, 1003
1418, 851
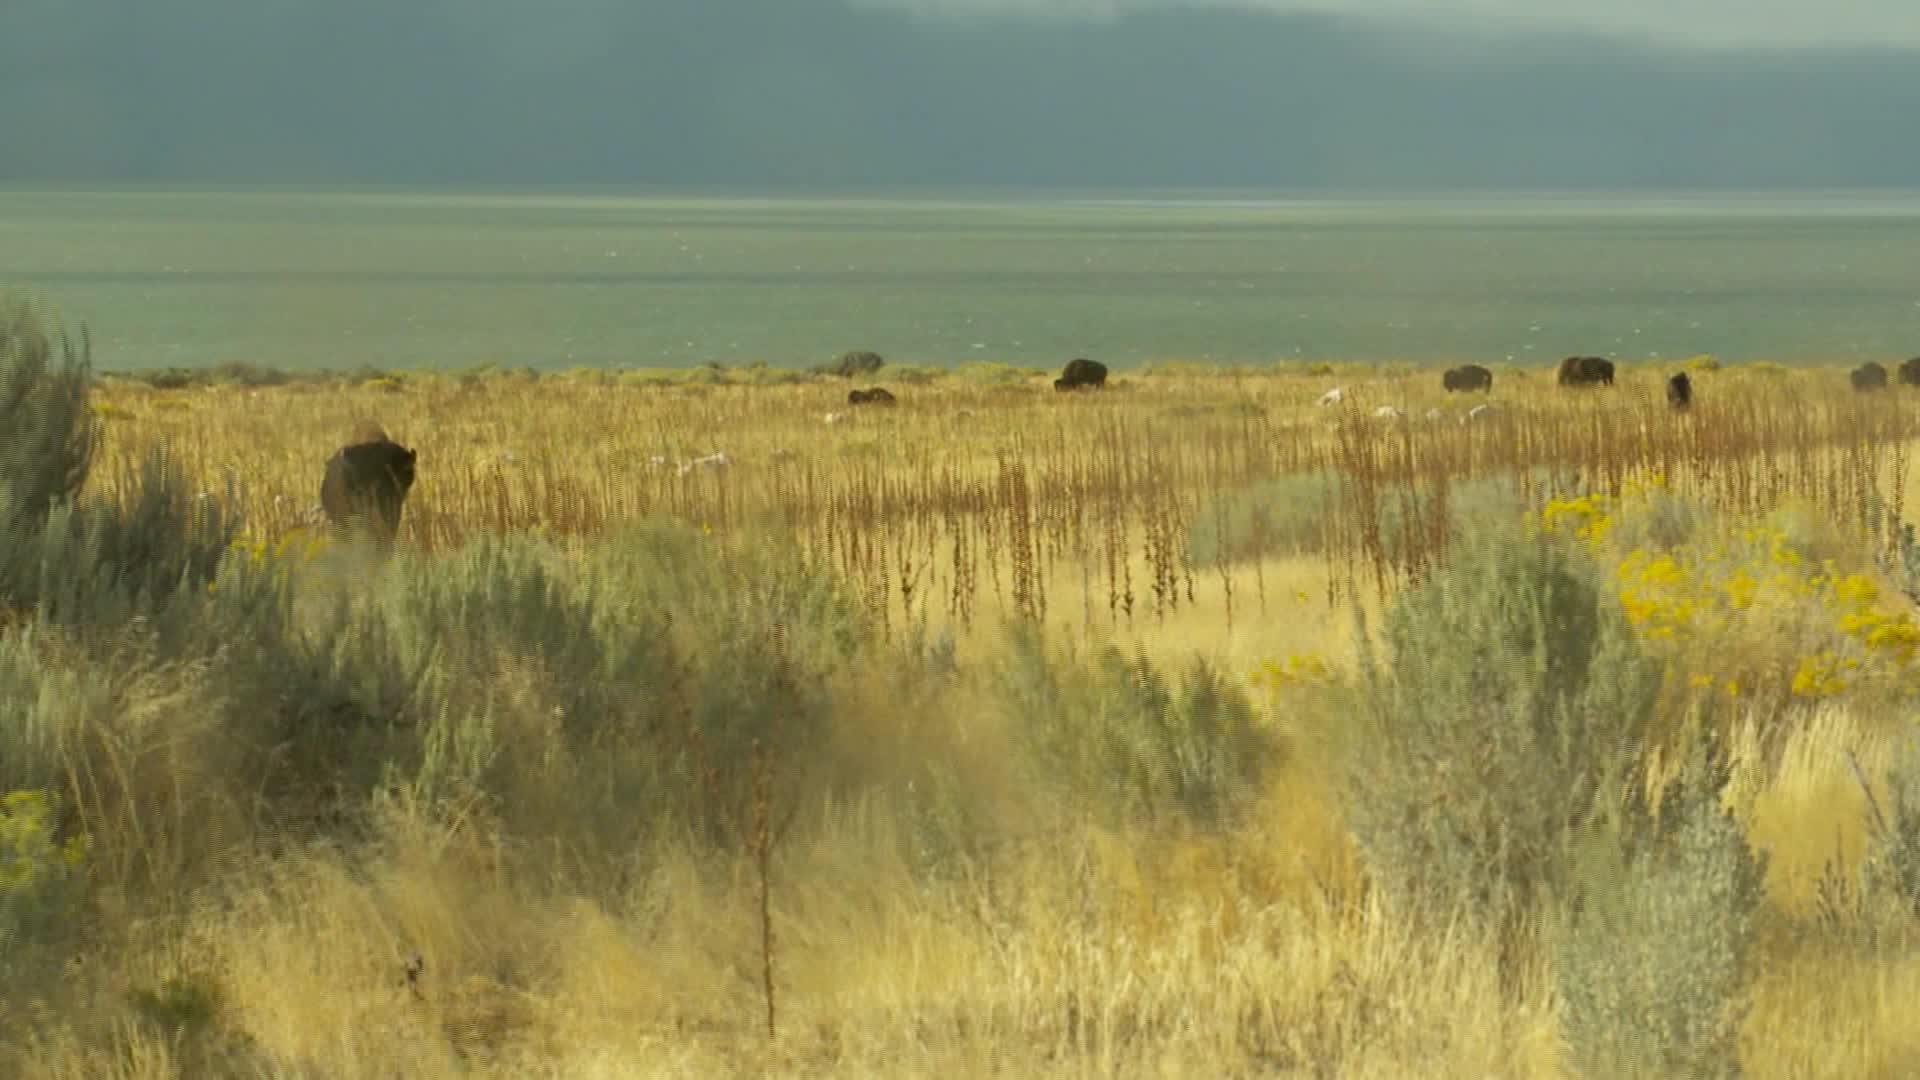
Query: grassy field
1190, 727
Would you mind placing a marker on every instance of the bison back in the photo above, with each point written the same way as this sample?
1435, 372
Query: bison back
1084, 372
1680, 391
367, 483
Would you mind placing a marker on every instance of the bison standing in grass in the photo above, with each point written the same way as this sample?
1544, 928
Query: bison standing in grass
366, 485
1680, 391
875, 396
1082, 374
1868, 377
1467, 377
1586, 371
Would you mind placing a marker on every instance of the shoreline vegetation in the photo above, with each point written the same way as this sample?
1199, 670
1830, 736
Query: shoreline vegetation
969, 371
1193, 726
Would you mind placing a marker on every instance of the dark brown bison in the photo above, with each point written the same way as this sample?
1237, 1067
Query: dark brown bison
875, 396
1910, 371
366, 485
1869, 376
1467, 377
1680, 391
1586, 371
1082, 374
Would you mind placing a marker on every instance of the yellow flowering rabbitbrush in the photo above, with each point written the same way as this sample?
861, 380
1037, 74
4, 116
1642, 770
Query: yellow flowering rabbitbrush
1727, 595
1588, 517
299, 545
1274, 675
29, 854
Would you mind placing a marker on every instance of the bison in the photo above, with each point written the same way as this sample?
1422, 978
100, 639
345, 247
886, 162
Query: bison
1680, 391
1869, 376
875, 396
366, 485
1467, 377
1586, 371
1910, 371
1082, 374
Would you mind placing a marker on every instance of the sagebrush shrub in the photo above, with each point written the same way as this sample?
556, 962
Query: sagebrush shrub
1127, 743
42, 705
1651, 959
39, 872
101, 566
627, 684
1890, 868
50, 435
86, 564
1663, 521
1508, 713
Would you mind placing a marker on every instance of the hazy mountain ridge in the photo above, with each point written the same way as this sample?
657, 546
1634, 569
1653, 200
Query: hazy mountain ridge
811, 93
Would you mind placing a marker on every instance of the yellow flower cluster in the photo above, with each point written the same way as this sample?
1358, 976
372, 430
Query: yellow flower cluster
309, 545
1274, 675
259, 553
1656, 597
1588, 517
28, 852
1718, 593
1890, 635
1820, 675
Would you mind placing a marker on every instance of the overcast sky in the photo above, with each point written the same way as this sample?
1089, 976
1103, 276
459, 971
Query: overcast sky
1703, 22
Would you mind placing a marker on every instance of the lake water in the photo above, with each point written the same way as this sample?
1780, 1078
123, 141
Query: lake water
420, 278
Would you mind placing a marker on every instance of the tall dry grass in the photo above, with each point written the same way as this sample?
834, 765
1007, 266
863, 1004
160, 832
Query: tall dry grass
990, 500
927, 737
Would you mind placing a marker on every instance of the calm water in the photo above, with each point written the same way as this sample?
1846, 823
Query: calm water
339, 280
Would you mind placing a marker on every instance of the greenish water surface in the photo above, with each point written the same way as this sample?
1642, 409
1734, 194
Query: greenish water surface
339, 280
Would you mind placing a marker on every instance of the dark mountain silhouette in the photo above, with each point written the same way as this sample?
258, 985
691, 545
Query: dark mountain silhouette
813, 94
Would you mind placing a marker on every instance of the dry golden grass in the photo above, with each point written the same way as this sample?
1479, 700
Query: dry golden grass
1254, 951
970, 500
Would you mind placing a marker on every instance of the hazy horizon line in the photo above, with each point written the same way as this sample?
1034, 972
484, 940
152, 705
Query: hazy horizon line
940, 191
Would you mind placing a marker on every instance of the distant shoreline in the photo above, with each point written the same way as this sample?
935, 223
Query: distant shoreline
767, 375
1691, 199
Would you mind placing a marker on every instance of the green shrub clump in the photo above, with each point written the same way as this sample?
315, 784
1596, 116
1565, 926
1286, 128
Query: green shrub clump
86, 563
1121, 740
856, 363
39, 870
1496, 770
